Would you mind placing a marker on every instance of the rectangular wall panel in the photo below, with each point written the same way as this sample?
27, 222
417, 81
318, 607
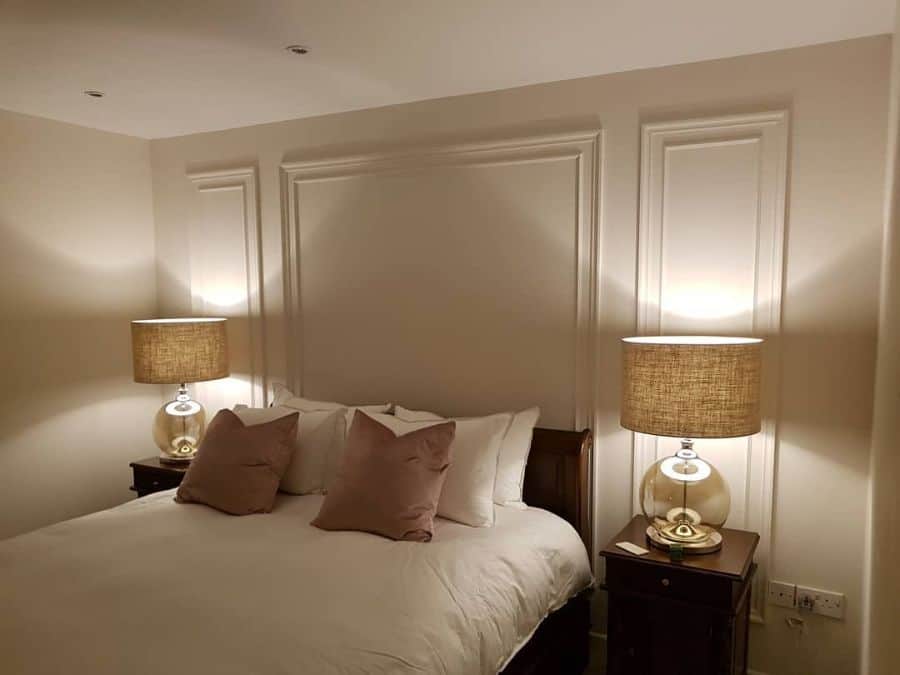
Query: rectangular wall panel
223, 239
710, 262
460, 279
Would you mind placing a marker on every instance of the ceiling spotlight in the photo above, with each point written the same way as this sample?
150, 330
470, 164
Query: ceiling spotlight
93, 93
297, 49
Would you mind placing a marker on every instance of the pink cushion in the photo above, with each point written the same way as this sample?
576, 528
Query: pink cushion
387, 484
237, 468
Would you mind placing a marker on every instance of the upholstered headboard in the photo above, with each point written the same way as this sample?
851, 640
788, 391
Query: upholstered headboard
558, 478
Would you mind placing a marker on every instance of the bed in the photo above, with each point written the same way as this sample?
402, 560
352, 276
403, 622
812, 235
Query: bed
157, 587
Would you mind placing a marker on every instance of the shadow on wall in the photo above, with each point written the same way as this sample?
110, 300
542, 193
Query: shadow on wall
70, 411
65, 326
828, 356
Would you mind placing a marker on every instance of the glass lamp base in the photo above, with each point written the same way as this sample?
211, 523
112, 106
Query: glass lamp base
685, 501
710, 542
178, 428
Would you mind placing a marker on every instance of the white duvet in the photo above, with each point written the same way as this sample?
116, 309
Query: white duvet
158, 587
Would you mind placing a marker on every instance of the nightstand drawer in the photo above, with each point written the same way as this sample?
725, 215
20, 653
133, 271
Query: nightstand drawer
152, 476
149, 484
671, 583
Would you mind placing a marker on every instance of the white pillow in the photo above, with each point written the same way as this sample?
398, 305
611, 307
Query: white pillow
319, 437
285, 397
513, 455
468, 493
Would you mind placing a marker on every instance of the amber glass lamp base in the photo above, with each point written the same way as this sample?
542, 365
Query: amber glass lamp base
685, 501
178, 428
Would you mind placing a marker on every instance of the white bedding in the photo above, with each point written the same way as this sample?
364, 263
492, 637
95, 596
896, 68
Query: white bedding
157, 587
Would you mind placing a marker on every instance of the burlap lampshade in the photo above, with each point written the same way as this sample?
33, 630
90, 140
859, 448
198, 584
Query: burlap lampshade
178, 351
691, 387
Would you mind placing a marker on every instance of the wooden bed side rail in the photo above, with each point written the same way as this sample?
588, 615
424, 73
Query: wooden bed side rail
558, 478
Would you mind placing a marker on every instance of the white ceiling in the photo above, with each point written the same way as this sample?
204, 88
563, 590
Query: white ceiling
171, 68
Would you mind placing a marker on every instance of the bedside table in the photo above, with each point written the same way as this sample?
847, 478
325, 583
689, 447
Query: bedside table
151, 475
678, 618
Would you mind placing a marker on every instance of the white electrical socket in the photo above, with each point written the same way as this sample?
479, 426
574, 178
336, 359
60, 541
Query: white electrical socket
782, 594
821, 602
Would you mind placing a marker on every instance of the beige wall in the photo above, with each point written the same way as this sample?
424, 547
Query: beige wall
76, 264
837, 99
884, 581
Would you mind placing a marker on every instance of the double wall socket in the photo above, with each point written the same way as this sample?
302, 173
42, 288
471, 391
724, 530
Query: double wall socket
826, 603
807, 599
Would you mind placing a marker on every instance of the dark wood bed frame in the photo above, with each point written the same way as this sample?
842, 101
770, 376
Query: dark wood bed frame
558, 479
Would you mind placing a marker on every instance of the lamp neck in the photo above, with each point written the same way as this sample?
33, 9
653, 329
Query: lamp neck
687, 449
183, 394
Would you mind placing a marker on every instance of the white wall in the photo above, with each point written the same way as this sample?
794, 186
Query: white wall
76, 264
883, 648
353, 230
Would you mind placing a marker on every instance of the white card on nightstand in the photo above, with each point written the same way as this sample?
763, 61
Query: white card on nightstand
632, 548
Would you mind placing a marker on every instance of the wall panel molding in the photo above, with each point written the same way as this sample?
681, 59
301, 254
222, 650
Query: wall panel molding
701, 178
242, 295
583, 149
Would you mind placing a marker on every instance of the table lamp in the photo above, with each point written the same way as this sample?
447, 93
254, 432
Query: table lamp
179, 351
689, 387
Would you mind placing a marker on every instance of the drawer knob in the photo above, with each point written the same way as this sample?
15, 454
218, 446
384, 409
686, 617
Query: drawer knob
666, 582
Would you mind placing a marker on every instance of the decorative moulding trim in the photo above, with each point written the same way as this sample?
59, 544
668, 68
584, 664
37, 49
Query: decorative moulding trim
584, 148
770, 131
245, 180
469, 153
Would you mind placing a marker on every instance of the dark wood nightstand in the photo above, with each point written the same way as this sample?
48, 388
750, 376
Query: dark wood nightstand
678, 618
151, 475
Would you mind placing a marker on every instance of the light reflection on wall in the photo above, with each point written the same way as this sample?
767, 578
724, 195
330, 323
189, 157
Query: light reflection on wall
227, 299
222, 297
711, 308
710, 301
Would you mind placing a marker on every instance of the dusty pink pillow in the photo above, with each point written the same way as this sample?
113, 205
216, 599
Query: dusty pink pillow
387, 484
238, 468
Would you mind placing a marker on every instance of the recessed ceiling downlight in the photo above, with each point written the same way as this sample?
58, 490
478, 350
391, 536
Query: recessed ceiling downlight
300, 50
94, 93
